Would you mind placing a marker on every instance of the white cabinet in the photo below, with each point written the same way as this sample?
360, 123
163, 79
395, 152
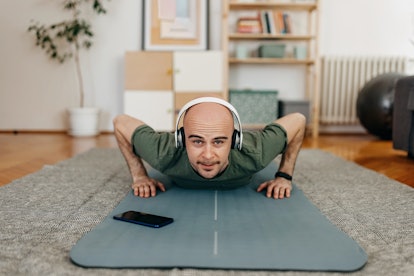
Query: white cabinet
195, 71
152, 107
158, 84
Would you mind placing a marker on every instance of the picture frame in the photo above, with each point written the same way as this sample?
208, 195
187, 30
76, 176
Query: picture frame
170, 25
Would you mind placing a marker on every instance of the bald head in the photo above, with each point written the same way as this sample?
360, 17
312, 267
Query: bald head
209, 116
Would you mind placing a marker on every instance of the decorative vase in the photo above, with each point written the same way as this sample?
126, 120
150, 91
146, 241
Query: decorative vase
83, 121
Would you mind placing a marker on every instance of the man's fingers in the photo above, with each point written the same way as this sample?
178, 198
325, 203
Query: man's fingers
156, 185
161, 186
281, 193
270, 187
136, 191
261, 187
275, 191
288, 192
144, 191
148, 188
153, 190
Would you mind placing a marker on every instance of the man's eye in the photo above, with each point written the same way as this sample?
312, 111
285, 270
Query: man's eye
197, 142
218, 142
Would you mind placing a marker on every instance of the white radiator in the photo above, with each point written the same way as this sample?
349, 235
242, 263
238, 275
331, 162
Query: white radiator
342, 77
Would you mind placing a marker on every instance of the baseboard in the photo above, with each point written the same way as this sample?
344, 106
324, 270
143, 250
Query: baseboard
341, 129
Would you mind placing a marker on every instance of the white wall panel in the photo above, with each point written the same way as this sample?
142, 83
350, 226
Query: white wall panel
198, 71
155, 108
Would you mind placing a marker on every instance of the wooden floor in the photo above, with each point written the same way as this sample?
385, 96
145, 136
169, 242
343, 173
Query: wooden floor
24, 153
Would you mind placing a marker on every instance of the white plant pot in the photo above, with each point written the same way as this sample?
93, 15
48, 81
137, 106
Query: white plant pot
83, 121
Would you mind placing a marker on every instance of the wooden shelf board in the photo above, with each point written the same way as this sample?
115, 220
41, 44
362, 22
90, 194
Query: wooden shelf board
272, 5
257, 60
247, 36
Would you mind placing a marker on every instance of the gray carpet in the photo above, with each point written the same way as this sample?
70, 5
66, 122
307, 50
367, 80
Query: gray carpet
44, 214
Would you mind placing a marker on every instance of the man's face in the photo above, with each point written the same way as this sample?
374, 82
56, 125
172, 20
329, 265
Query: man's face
208, 133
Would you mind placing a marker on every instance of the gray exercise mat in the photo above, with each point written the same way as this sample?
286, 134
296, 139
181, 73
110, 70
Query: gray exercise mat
224, 229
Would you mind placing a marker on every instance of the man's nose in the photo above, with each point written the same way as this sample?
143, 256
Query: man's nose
208, 151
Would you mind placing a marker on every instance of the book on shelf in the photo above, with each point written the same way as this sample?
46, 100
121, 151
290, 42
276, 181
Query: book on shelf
275, 22
278, 18
263, 21
267, 22
287, 23
249, 25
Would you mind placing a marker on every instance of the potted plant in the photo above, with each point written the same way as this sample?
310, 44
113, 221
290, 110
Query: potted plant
64, 40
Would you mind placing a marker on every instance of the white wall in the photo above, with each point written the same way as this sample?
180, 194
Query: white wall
367, 27
34, 91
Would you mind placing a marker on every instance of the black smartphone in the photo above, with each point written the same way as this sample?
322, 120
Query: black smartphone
144, 219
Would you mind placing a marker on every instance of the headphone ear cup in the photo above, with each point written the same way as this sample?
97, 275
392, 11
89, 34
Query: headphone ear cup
180, 138
235, 140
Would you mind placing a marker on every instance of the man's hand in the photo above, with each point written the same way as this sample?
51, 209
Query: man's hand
276, 188
145, 186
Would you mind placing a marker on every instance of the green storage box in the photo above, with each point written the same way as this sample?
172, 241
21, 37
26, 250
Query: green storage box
272, 51
255, 107
291, 106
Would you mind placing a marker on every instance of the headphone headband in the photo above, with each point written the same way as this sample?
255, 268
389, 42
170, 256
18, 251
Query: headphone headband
209, 100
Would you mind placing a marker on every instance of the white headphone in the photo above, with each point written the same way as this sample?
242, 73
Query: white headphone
237, 137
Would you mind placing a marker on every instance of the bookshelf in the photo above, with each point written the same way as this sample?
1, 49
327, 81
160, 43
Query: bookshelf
306, 37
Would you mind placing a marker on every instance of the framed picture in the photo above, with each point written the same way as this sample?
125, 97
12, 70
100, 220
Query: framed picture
175, 25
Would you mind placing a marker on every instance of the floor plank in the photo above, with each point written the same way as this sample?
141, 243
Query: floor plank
25, 153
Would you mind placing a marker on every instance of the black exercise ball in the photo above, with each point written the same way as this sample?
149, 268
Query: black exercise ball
375, 105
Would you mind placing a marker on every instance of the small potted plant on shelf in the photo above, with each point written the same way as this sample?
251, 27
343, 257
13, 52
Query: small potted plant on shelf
64, 40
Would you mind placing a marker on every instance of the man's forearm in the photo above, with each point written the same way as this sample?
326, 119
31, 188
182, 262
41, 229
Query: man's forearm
288, 161
135, 164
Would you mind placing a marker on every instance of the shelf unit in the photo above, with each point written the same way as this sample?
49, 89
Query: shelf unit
310, 39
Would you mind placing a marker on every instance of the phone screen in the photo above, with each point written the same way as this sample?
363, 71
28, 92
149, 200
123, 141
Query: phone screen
144, 219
